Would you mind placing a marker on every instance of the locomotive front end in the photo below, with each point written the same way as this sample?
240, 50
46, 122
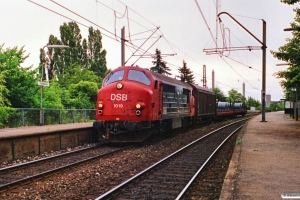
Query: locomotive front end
124, 105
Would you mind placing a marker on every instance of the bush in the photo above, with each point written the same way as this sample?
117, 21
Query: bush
6, 116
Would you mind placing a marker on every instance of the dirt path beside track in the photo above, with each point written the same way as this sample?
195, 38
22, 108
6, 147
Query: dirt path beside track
266, 164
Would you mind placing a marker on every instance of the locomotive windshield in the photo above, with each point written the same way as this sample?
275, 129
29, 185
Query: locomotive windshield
139, 76
113, 77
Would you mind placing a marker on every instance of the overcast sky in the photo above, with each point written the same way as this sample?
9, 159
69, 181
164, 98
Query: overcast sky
185, 31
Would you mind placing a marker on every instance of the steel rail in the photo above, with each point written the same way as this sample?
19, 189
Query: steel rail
204, 164
4, 169
105, 195
48, 172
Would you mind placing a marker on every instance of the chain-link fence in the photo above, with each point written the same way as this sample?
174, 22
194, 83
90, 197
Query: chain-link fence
46, 116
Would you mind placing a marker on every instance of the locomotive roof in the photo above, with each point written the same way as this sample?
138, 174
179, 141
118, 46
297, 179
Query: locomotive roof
207, 90
170, 80
161, 77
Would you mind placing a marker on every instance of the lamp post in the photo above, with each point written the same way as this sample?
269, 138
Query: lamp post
264, 47
41, 83
295, 104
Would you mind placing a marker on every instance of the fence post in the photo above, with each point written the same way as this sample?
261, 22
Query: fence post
23, 118
59, 117
84, 115
43, 117
73, 115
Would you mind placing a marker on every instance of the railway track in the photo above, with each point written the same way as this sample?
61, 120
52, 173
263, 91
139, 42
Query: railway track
16, 175
171, 177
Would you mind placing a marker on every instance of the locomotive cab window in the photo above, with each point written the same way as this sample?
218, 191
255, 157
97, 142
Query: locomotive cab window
186, 96
139, 76
113, 77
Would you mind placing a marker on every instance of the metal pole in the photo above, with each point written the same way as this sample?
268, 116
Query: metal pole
23, 123
294, 107
264, 47
123, 46
41, 106
297, 105
263, 94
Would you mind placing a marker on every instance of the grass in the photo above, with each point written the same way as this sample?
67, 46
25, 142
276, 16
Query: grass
239, 140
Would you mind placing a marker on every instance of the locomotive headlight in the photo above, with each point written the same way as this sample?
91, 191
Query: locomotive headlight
139, 105
119, 86
100, 105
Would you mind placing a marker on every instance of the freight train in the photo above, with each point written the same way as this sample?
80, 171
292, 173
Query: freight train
134, 100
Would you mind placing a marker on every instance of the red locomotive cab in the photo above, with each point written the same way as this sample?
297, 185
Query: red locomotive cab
117, 100
127, 101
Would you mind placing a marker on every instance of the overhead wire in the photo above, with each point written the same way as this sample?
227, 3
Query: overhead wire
139, 49
170, 44
64, 16
215, 40
131, 44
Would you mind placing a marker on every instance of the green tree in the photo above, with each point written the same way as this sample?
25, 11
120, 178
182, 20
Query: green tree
290, 54
57, 60
87, 53
219, 94
83, 94
51, 96
251, 102
235, 96
274, 106
51, 59
6, 114
290, 2
18, 83
159, 65
94, 56
75, 74
79, 88
81, 65
186, 75
70, 35
3, 100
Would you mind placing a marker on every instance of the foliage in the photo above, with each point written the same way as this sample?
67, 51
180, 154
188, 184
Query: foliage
6, 114
3, 100
51, 96
274, 106
219, 94
238, 140
235, 96
93, 56
75, 74
83, 94
17, 83
251, 102
78, 88
290, 2
81, 66
88, 54
290, 54
186, 75
159, 65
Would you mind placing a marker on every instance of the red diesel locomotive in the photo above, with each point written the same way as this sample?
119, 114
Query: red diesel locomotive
134, 100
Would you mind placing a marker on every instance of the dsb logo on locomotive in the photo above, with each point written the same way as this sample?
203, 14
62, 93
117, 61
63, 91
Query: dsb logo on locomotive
118, 97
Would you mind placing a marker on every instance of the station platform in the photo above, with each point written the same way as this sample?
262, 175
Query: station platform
21, 142
266, 163
38, 130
